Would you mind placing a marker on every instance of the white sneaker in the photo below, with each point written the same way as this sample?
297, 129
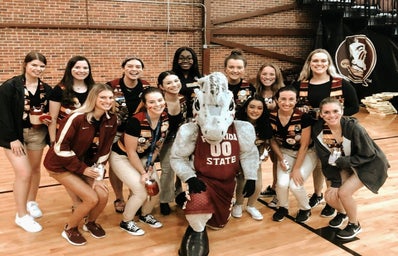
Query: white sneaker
237, 211
33, 209
254, 213
28, 223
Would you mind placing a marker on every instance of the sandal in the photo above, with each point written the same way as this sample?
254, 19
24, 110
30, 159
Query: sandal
119, 205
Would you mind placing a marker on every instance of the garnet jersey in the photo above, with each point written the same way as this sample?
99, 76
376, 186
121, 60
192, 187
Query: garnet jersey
217, 166
219, 161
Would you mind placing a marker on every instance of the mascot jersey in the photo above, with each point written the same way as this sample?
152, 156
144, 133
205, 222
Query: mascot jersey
217, 166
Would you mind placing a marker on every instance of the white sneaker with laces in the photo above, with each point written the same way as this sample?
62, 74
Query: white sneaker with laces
28, 223
254, 213
33, 209
237, 211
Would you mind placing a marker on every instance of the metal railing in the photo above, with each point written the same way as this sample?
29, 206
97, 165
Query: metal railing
381, 14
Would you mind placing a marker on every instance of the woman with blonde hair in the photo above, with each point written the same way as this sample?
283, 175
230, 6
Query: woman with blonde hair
318, 80
77, 160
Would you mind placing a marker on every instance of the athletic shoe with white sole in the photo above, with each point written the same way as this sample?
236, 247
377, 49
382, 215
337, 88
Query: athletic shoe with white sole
28, 223
151, 221
131, 228
256, 214
350, 231
73, 236
274, 202
236, 211
33, 208
338, 220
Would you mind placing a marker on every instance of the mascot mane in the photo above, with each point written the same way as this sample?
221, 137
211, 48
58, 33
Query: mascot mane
214, 107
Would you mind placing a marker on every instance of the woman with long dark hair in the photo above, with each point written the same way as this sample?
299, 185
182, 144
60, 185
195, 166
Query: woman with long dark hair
254, 111
23, 132
69, 94
186, 67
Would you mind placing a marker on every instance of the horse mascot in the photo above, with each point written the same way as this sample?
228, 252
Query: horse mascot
207, 154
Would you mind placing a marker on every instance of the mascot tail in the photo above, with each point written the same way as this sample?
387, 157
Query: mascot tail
194, 243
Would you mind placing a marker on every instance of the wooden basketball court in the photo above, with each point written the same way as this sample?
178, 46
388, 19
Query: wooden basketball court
377, 214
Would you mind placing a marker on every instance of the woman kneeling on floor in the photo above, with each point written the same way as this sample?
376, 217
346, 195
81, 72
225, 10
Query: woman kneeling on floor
296, 158
80, 151
350, 159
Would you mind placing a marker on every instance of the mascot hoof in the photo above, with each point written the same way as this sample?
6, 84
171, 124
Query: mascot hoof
194, 243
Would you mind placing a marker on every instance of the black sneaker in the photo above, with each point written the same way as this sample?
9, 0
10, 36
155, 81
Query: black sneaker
350, 231
315, 200
328, 211
303, 215
338, 220
268, 192
131, 228
151, 221
280, 214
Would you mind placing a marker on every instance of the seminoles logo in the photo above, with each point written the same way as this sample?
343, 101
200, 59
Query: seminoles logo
356, 58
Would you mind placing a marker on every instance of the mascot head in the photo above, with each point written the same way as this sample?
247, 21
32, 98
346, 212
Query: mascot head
214, 107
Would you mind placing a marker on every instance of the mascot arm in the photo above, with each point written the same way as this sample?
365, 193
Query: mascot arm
183, 147
249, 156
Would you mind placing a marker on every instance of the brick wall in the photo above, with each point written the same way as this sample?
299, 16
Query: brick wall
108, 31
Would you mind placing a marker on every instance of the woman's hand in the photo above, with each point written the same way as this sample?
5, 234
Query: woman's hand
283, 165
46, 119
17, 148
90, 172
144, 177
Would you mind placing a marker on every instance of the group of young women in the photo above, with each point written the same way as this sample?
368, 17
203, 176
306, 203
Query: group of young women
85, 123
133, 125
310, 133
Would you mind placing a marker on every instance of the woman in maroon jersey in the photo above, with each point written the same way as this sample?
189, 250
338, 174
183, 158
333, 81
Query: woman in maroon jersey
77, 157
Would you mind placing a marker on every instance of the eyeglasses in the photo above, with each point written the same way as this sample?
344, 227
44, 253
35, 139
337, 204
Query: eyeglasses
185, 58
